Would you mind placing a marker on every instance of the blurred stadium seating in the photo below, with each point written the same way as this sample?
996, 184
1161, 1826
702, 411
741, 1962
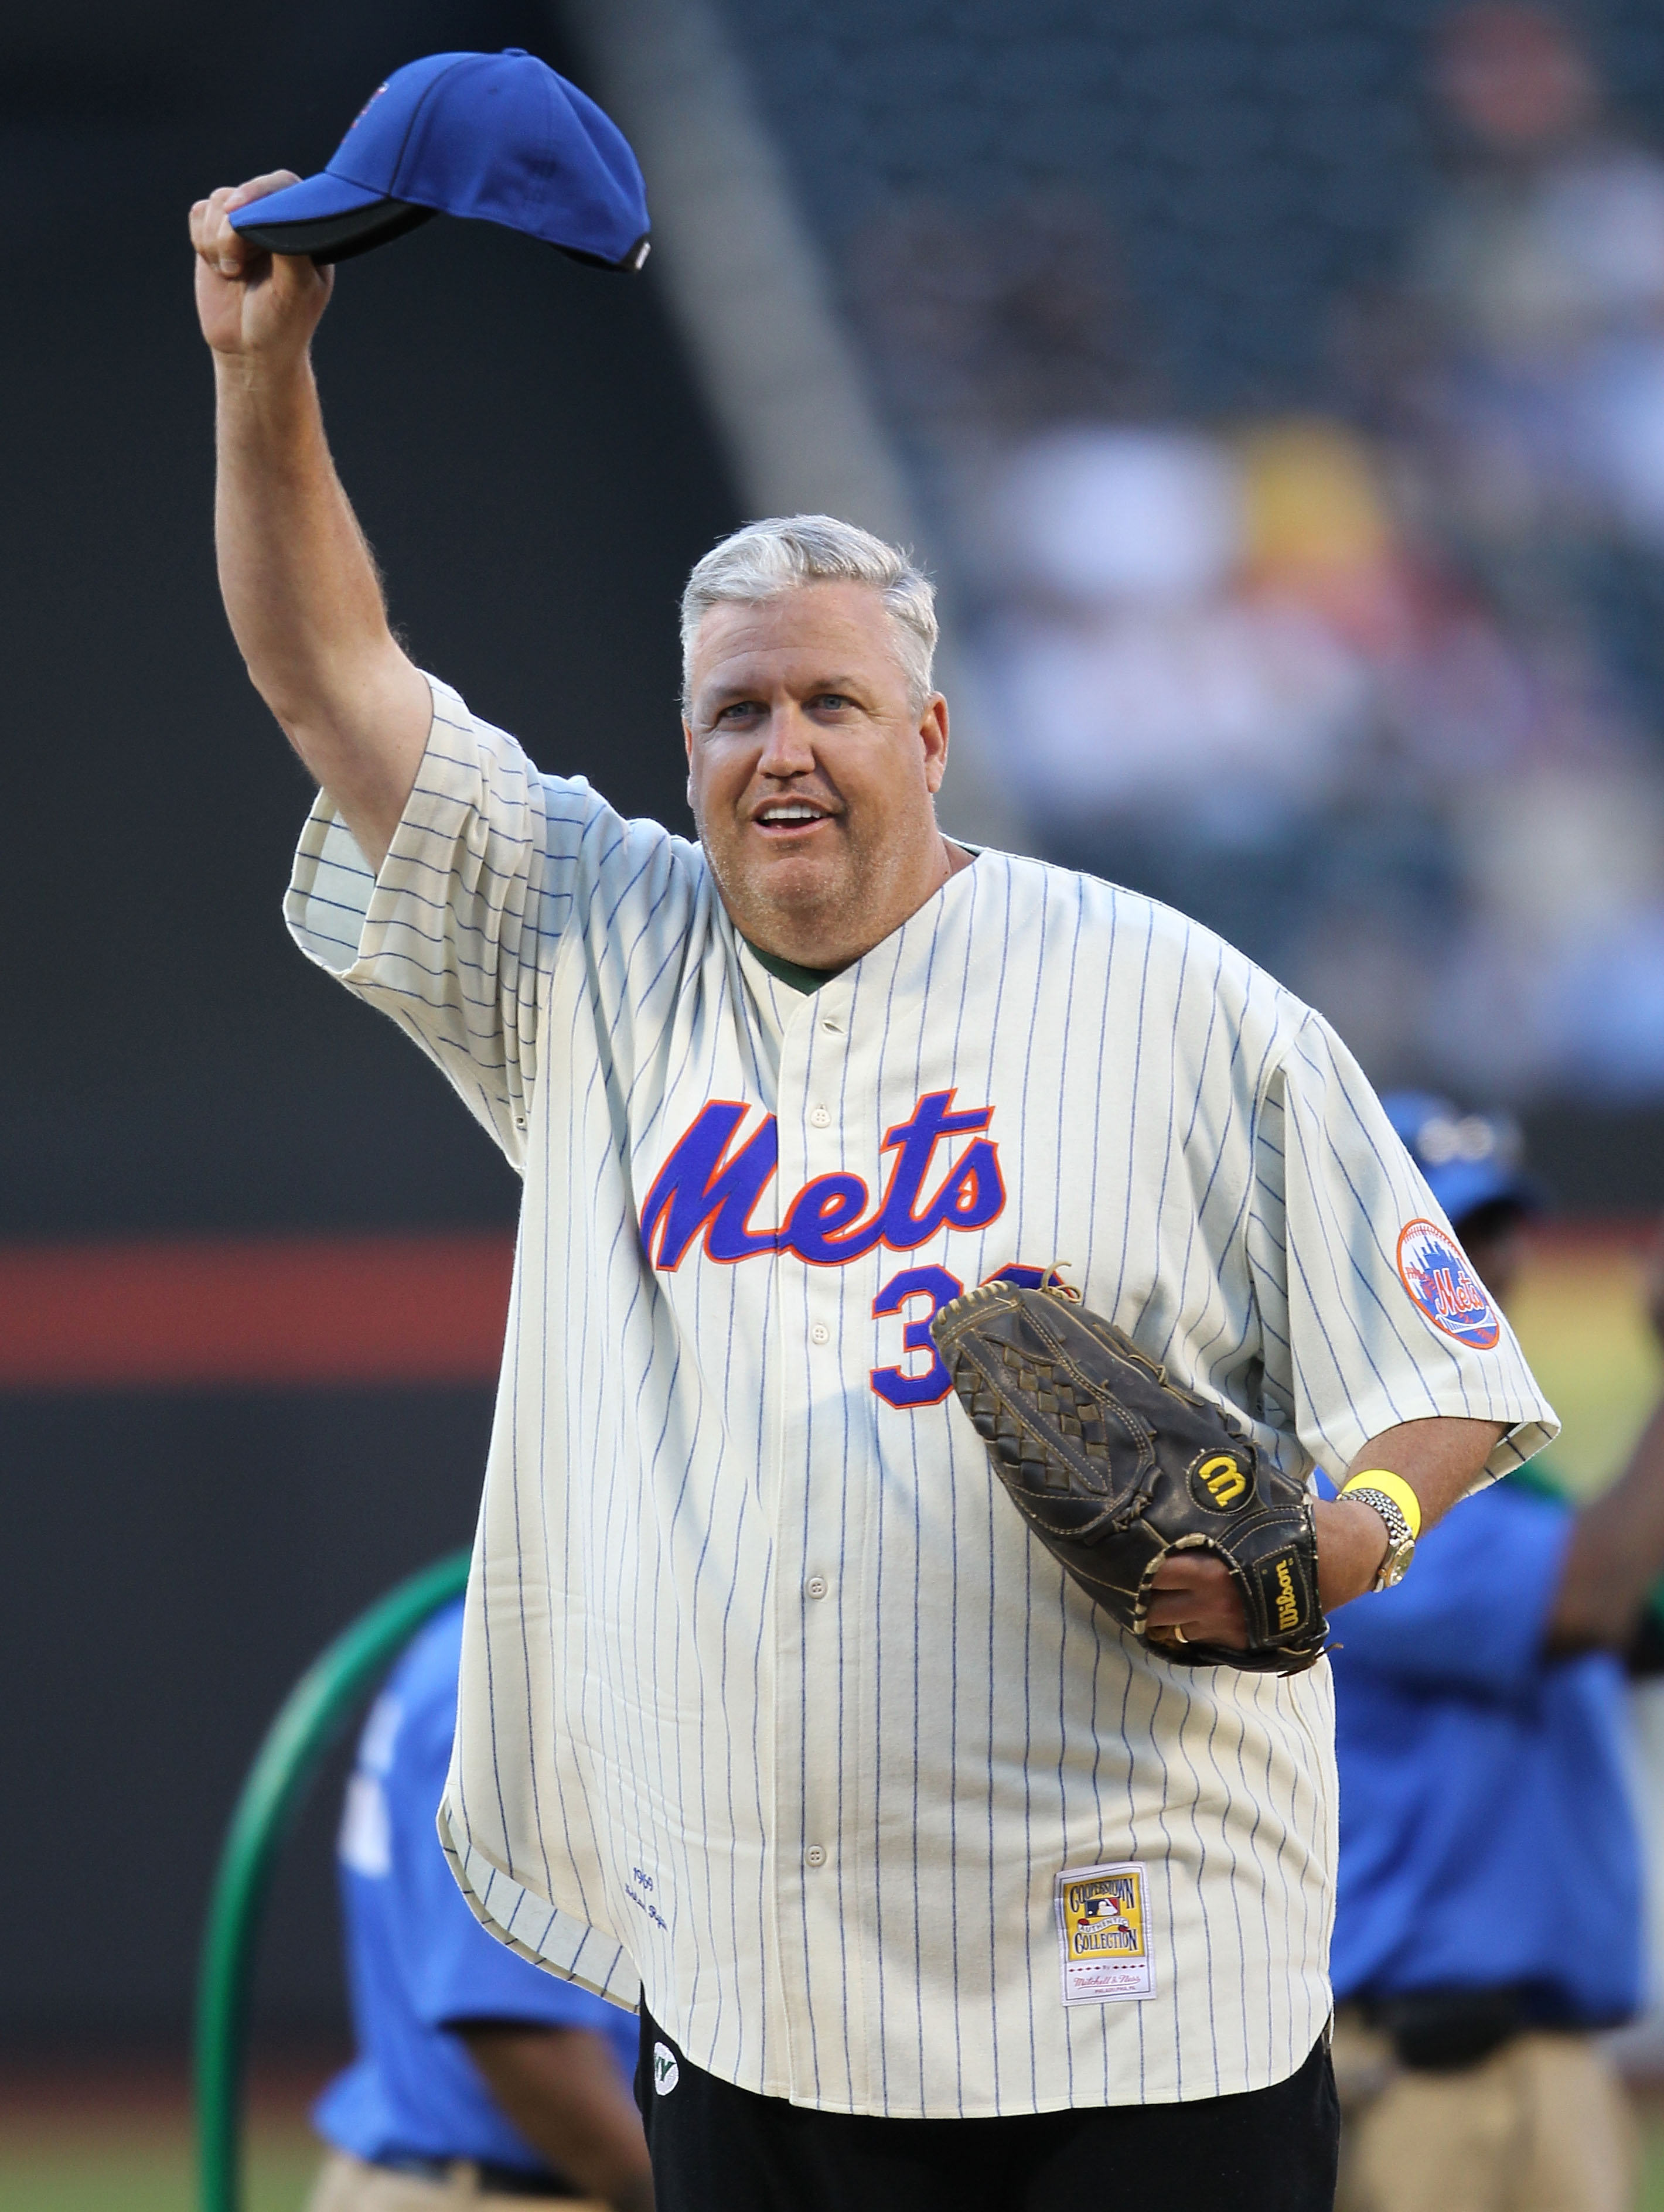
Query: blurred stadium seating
1298, 469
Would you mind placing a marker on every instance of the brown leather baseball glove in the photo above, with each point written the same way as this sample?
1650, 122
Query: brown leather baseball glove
1114, 1466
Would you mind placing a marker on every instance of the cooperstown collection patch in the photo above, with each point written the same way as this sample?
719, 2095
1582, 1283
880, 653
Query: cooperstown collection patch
1434, 1269
1103, 1934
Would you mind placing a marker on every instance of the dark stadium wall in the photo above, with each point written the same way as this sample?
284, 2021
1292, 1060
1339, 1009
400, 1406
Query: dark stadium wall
536, 474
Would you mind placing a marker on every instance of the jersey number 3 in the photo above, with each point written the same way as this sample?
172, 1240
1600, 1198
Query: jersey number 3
931, 1384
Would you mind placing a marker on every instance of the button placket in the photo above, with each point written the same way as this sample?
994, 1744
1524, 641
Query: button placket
813, 1136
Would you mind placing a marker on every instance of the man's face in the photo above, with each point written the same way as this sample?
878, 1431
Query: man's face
810, 776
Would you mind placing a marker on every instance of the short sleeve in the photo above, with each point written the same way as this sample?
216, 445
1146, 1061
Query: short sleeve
1471, 1616
492, 867
1355, 1344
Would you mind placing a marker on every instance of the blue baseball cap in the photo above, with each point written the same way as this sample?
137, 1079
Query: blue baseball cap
1470, 1160
496, 137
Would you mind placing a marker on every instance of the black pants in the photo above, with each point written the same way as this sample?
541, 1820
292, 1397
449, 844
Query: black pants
717, 2149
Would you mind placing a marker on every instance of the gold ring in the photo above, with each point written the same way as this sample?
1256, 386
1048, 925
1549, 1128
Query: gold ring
1178, 1634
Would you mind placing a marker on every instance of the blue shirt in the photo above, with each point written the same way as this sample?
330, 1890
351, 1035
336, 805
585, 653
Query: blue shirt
416, 1958
1486, 1834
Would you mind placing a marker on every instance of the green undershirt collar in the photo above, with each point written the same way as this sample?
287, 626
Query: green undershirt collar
808, 980
788, 971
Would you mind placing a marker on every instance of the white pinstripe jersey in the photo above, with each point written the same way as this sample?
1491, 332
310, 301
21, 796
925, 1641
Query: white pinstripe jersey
768, 1695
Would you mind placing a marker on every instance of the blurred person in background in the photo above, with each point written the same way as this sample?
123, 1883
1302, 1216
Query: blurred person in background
479, 2078
1533, 378
1167, 731
989, 325
1529, 416
1227, 680
1484, 893
1232, 674
1488, 1916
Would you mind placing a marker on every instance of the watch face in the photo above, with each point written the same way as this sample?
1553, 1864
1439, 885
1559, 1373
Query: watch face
1400, 1544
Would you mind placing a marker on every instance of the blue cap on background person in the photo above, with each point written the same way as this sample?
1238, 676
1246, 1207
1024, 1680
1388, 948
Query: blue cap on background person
1471, 1161
498, 137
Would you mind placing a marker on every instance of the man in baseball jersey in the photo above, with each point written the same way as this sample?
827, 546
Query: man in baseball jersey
772, 1713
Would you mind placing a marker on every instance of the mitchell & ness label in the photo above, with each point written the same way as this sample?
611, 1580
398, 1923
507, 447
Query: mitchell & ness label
1103, 1934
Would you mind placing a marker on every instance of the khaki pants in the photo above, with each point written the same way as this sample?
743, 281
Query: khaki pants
345, 2184
1542, 2125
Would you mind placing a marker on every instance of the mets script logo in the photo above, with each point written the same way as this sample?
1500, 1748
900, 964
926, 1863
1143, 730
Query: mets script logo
1434, 1270
708, 1188
711, 1190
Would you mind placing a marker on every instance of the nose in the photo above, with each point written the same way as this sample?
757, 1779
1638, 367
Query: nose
788, 749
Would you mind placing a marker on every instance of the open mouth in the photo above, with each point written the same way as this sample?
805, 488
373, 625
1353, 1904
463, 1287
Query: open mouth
789, 817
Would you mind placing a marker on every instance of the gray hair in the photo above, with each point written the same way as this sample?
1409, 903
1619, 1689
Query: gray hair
766, 559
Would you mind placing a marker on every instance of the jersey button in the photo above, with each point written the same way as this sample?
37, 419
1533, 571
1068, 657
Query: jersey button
820, 1333
820, 1115
816, 1586
837, 1028
815, 1856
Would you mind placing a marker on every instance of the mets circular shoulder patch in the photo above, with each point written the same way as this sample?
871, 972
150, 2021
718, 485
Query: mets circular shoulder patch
1434, 1269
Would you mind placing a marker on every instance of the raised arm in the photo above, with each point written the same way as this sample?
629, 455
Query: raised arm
299, 582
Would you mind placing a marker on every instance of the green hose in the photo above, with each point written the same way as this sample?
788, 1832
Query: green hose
310, 1721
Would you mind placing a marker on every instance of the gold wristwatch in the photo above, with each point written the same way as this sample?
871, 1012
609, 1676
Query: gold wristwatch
1369, 1489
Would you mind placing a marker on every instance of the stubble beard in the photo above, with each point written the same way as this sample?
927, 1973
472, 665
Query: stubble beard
831, 905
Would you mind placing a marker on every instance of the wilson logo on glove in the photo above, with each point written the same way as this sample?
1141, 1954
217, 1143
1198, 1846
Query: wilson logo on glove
1288, 1604
1222, 1482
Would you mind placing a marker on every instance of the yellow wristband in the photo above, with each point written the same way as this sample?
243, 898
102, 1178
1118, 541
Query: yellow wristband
1379, 1478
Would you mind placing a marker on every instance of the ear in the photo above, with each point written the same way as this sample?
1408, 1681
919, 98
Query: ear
933, 736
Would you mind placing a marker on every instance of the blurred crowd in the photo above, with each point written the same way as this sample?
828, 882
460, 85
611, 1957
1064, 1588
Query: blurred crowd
1377, 691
